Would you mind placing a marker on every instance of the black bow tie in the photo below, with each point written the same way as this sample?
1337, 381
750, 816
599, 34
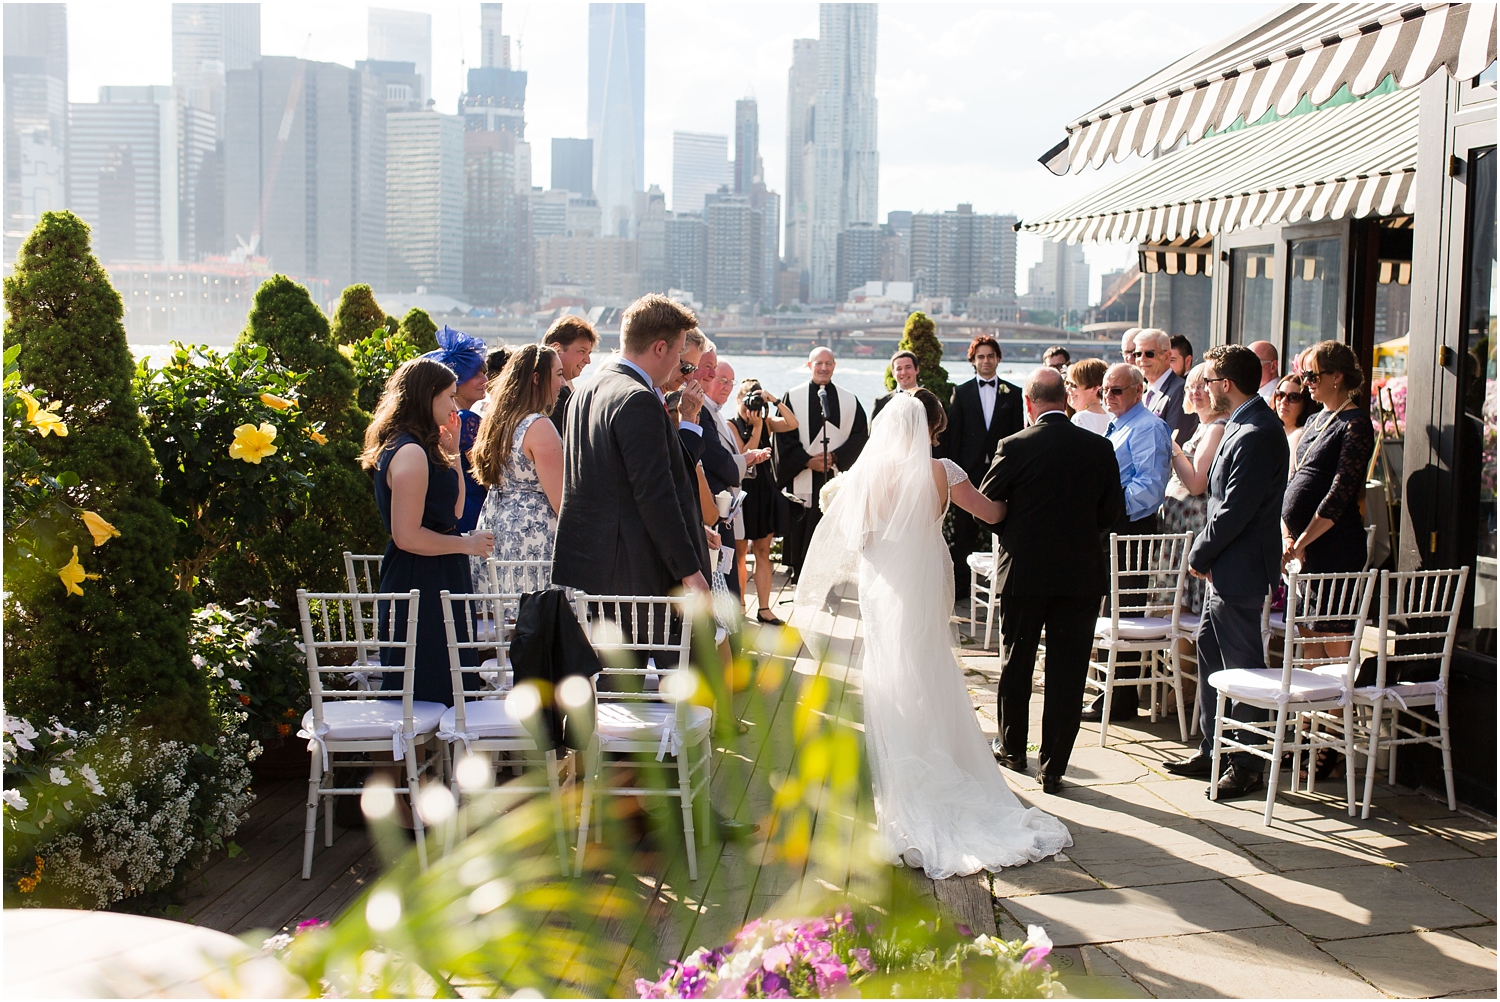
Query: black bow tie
988, 382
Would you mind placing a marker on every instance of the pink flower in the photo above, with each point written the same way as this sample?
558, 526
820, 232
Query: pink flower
862, 959
777, 958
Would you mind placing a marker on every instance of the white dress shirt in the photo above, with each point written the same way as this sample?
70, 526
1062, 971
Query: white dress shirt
1154, 390
724, 435
988, 388
1268, 391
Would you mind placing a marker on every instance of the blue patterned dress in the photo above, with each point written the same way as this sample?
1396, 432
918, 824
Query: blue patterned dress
518, 513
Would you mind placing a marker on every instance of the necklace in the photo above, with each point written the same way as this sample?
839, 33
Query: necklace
1305, 446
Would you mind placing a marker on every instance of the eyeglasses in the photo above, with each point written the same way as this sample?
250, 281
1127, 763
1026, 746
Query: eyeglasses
1143, 354
1117, 391
1285, 395
1069, 384
687, 368
1216, 379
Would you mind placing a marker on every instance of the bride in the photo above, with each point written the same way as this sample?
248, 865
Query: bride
941, 803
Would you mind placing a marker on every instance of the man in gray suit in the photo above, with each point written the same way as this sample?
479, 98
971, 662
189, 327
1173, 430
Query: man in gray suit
1164, 388
1239, 552
630, 519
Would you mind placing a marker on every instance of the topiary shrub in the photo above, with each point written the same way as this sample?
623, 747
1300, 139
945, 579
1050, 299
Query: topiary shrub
357, 316
920, 338
121, 640
419, 329
374, 359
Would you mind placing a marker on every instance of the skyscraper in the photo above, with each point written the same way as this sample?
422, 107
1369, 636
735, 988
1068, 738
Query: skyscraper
617, 109
746, 145
700, 167
957, 253
399, 81
858, 258
36, 116
497, 266
208, 40
122, 167
403, 36
494, 46
1061, 276
304, 168
424, 202
801, 91
573, 165
846, 160
735, 230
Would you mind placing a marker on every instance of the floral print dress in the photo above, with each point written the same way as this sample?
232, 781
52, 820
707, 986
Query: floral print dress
518, 513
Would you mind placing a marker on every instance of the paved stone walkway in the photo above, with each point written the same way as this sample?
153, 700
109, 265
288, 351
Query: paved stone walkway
1165, 893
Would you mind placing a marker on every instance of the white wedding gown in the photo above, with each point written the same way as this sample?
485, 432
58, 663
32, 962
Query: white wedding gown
938, 789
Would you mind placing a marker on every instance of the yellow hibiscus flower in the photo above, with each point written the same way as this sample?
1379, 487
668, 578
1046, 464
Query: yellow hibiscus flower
73, 575
280, 403
253, 444
101, 530
317, 436
48, 421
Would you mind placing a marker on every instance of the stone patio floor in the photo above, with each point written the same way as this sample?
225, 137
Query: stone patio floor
1165, 893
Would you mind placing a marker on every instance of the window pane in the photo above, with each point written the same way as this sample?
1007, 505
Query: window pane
1477, 385
1250, 293
1313, 285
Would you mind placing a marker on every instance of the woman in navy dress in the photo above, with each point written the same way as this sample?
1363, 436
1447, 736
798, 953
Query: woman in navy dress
412, 447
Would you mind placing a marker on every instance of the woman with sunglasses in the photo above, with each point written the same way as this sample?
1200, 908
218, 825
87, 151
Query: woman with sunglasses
1084, 382
1293, 406
1321, 524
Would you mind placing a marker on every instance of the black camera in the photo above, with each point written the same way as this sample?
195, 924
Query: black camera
754, 402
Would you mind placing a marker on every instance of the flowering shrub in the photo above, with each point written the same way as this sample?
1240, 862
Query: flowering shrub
374, 359
253, 665
829, 957
96, 816
1392, 405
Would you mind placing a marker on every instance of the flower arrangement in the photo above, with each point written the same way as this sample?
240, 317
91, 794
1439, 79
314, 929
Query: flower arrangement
252, 665
96, 816
831, 956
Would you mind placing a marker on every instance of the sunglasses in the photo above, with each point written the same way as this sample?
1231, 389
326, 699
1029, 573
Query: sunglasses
1286, 395
1143, 354
1117, 391
687, 368
1309, 376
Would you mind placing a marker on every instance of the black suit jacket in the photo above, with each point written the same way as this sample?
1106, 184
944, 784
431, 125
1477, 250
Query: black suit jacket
1241, 545
630, 519
560, 409
1168, 407
1061, 485
719, 467
966, 440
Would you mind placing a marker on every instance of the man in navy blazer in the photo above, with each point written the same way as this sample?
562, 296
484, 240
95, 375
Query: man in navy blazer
1239, 552
1165, 389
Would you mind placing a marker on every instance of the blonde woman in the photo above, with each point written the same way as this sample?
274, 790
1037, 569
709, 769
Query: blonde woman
518, 456
1185, 507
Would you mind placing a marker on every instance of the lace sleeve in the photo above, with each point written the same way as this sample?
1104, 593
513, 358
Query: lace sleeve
956, 474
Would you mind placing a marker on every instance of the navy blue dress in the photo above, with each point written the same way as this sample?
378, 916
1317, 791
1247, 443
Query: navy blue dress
403, 571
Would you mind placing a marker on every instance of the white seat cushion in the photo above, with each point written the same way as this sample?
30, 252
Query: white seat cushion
648, 721
1135, 628
1263, 685
984, 563
483, 718
1277, 622
371, 719
1188, 623
1406, 690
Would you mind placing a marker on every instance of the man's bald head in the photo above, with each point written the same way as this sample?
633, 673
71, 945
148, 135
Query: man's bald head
1045, 386
1270, 361
820, 362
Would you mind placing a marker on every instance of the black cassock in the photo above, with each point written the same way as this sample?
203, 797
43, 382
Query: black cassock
791, 459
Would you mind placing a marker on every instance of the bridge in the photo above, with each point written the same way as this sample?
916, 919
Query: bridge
854, 339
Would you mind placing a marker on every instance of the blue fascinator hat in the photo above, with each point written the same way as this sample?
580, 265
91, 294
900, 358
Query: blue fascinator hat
461, 352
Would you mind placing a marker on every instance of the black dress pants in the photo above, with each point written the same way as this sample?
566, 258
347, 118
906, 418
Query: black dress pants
1230, 638
802, 522
1069, 622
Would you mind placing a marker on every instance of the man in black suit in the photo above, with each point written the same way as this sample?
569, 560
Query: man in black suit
630, 522
1061, 486
984, 410
1238, 551
574, 339
904, 370
1164, 387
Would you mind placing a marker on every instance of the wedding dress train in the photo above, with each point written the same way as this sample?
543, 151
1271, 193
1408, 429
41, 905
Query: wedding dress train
937, 788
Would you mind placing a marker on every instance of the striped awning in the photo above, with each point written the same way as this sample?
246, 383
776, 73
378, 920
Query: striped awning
1303, 50
1356, 159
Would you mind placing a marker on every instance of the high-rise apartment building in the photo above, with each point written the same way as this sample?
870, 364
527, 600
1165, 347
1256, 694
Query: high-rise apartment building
747, 166
768, 204
846, 158
801, 92
606, 270
424, 202
494, 45
403, 36
617, 109
858, 257
651, 234
573, 165
307, 190
687, 254
208, 41
1061, 278
735, 231
36, 116
496, 238
956, 253
700, 167
122, 168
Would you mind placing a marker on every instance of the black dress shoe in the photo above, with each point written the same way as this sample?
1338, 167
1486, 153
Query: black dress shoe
1117, 713
1051, 784
730, 830
1200, 766
1237, 782
1015, 763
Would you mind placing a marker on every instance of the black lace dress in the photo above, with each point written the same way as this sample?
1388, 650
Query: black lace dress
1328, 479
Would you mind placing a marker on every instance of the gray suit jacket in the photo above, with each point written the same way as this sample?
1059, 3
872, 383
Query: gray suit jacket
629, 523
1168, 407
1241, 545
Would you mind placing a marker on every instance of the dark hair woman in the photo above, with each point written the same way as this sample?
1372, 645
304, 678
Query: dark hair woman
412, 447
518, 456
1294, 406
1321, 525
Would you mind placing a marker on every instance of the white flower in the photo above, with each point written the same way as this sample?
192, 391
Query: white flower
253, 637
234, 684
21, 731
59, 732
60, 778
15, 801
829, 492
67, 805
1036, 936
218, 672
277, 943
199, 661
270, 604
91, 780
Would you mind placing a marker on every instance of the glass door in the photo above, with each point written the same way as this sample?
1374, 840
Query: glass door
1476, 439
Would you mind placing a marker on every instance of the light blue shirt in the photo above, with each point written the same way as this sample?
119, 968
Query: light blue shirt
1143, 448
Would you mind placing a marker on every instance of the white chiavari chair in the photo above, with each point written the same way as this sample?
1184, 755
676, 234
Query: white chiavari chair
363, 573
982, 583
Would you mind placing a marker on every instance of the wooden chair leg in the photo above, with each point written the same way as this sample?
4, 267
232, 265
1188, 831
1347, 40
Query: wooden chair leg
590, 778
689, 832
1109, 692
1182, 721
1349, 754
412, 786
1375, 715
554, 791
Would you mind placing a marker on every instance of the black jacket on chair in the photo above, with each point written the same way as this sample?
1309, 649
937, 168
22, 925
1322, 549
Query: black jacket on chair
1241, 544
548, 645
1061, 485
966, 440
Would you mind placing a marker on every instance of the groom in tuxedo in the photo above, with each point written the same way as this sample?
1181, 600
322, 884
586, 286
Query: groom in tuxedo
984, 410
1061, 486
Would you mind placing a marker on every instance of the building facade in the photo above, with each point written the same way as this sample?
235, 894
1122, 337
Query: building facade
801, 92
686, 253
1061, 277
310, 198
617, 109
700, 167
858, 258
606, 269
956, 253
846, 158
123, 172
496, 236
573, 165
735, 229
403, 36
36, 116
424, 202
747, 168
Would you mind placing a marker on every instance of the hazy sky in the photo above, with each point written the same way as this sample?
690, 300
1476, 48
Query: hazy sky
970, 94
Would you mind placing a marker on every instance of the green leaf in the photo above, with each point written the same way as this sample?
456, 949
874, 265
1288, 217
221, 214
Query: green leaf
234, 849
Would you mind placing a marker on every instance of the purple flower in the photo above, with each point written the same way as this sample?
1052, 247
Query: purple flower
964, 930
312, 923
773, 985
1035, 957
862, 958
